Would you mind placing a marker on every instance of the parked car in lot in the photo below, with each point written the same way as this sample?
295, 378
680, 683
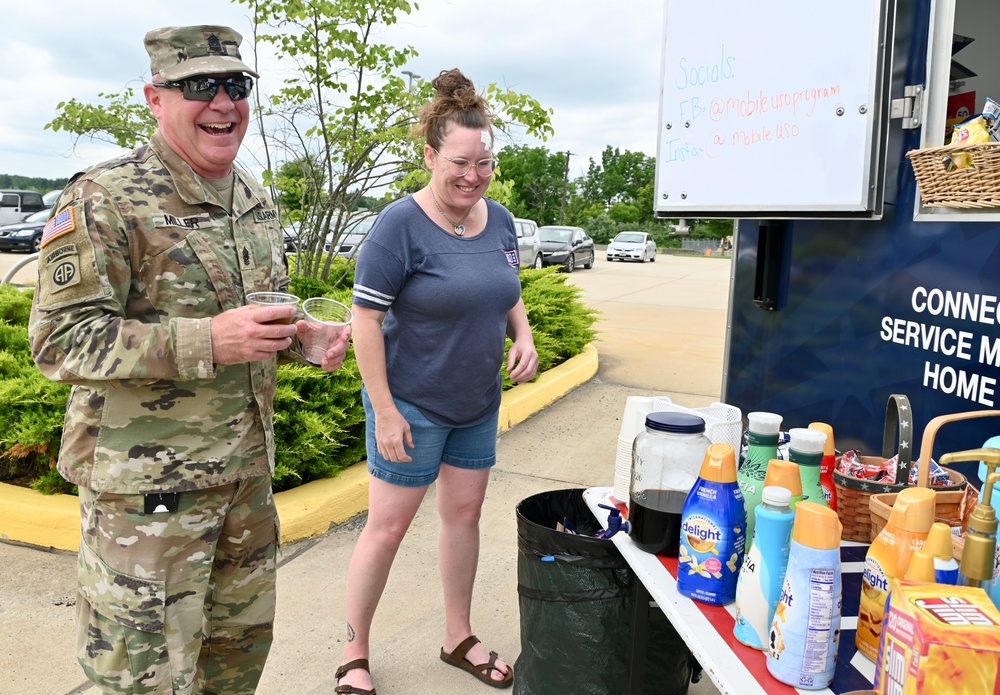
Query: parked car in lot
291, 237
15, 206
529, 247
638, 246
50, 198
566, 246
351, 236
24, 236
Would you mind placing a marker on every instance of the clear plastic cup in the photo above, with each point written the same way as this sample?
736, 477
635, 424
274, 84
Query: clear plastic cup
326, 319
274, 299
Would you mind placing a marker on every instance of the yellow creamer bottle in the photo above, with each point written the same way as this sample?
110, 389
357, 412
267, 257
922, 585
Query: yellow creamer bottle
889, 554
785, 474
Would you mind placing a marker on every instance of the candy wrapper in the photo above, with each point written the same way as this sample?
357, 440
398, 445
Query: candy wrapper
974, 130
885, 472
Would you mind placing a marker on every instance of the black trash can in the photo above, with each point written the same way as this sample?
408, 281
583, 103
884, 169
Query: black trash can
575, 601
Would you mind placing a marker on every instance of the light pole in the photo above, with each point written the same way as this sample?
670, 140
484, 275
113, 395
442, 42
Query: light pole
409, 86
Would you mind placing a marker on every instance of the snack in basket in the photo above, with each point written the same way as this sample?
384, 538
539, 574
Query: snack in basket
991, 111
851, 464
974, 130
969, 501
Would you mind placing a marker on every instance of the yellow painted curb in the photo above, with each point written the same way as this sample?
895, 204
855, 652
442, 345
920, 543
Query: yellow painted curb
31, 517
53, 521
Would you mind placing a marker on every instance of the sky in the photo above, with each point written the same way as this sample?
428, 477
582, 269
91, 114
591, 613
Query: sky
596, 63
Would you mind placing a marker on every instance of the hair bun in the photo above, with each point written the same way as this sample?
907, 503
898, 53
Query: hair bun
457, 102
452, 85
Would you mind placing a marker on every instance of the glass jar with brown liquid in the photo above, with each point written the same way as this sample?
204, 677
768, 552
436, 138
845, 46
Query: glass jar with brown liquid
666, 459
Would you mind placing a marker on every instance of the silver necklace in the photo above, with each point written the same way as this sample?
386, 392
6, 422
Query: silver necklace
459, 226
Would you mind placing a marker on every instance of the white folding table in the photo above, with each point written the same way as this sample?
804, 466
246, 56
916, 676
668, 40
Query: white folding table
708, 630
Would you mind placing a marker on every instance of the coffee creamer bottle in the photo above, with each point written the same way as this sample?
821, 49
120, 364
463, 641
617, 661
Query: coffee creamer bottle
940, 547
762, 446
713, 531
805, 632
781, 473
763, 573
806, 449
906, 531
828, 465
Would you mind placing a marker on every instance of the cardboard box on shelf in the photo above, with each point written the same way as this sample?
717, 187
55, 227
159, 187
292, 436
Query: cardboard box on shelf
939, 639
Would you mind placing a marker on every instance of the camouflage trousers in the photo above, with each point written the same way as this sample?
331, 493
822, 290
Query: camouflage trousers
178, 603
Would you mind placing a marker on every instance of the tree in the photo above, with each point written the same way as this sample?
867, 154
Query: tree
347, 109
620, 177
538, 178
122, 120
624, 212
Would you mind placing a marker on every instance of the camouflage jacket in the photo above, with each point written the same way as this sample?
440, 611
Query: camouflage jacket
137, 260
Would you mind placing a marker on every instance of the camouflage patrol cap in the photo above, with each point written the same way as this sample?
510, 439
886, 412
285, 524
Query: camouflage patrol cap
179, 52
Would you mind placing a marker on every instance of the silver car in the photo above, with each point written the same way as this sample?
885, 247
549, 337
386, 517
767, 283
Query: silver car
635, 246
352, 236
529, 247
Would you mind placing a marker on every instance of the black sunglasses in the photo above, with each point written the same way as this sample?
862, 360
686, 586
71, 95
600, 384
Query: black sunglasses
205, 88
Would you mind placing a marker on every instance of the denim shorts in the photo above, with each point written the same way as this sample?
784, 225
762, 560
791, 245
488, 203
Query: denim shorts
472, 448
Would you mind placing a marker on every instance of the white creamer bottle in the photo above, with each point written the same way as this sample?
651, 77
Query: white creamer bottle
805, 631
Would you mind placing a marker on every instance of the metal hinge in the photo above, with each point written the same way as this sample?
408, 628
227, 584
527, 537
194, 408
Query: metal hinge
909, 107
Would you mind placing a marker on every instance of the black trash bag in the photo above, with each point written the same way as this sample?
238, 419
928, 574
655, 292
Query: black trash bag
575, 601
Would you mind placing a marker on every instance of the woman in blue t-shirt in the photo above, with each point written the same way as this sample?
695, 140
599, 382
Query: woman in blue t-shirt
436, 291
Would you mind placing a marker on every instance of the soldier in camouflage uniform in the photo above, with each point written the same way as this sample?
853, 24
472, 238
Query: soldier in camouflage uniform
143, 274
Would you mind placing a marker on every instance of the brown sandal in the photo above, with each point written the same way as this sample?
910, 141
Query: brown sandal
483, 672
350, 689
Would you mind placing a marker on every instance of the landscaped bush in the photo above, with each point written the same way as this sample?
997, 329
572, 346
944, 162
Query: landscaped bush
318, 418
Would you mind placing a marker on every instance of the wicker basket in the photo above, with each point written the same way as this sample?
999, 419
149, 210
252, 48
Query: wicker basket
947, 501
853, 494
975, 186
947, 505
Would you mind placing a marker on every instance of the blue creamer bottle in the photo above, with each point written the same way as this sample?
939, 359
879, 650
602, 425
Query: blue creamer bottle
713, 531
763, 573
805, 632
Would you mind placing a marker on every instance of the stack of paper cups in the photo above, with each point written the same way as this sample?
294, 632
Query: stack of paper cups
633, 422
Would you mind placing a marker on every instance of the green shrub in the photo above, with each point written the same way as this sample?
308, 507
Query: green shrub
560, 323
319, 422
31, 406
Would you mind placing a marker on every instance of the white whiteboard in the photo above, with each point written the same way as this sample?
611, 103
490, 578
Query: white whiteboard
768, 106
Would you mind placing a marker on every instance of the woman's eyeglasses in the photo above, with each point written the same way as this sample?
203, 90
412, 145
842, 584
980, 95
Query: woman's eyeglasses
460, 167
205, 88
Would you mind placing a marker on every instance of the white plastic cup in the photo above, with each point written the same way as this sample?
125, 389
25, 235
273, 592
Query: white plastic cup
274, 299
326, 319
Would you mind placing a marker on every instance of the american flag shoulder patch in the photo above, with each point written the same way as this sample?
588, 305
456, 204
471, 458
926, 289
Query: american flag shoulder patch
62, 223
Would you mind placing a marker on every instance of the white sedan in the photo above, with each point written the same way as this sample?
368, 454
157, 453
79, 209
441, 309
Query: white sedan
637, 246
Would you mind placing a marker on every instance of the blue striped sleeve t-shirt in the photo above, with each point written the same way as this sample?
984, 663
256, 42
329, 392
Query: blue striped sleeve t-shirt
446, 300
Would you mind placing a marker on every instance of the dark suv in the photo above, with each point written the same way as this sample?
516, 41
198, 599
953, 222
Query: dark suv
16, 205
